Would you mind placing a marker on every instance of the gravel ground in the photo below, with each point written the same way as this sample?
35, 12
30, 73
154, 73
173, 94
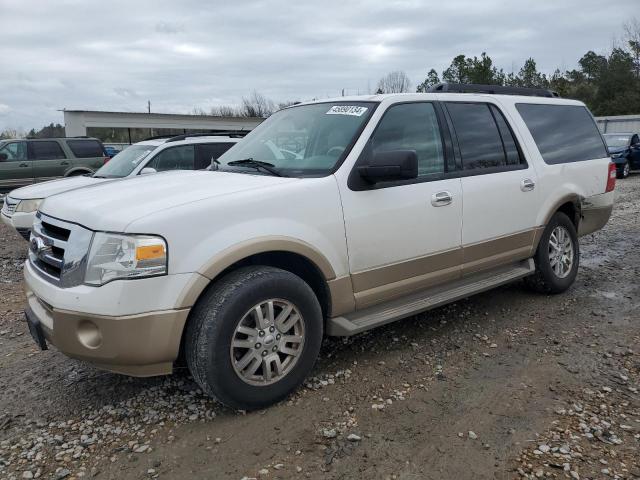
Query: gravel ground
506, 384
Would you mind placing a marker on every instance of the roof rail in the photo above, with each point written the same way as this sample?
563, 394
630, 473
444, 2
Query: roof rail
217, 133
492, 89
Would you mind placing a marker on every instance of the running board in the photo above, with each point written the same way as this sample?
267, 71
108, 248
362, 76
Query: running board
388, 312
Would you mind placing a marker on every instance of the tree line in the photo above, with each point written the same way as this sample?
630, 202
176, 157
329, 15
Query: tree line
608, 83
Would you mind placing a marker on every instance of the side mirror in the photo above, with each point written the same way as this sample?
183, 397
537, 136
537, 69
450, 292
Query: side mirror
147, 171
3, 157
390, 166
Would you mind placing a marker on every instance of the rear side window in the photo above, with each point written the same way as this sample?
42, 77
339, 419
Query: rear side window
207, 152
412, 126
45, 151
563, 133
86, 148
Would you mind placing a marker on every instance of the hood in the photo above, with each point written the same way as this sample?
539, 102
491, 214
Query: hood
46, 189
114, 205
613, 150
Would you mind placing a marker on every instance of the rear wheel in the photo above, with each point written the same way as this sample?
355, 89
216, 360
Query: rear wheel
254, 336
557, 257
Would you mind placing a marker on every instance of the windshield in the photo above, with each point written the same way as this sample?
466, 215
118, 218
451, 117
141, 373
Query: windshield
304, 141
125, 162
617, 140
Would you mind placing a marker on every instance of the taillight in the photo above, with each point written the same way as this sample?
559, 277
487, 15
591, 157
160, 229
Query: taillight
105, 159
611, 179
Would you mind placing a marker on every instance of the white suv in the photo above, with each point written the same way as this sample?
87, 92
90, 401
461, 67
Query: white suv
181, 152
330, 218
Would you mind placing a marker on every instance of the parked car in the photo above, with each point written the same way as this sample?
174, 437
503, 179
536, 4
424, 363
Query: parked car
392, 205
625, 151
111, 151
27, 161
151, 156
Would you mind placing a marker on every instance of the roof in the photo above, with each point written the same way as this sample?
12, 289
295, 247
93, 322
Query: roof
199, 139
446, 96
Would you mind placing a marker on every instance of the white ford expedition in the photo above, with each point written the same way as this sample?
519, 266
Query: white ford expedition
330, 218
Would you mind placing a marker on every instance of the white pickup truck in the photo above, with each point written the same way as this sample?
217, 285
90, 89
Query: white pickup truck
330, 218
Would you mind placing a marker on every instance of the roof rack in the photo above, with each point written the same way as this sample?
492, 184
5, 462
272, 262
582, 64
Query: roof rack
217, 133
492, 89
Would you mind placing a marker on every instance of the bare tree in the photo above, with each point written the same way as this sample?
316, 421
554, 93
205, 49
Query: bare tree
394, 82
257, 105
224, 111
12, 133
632, 37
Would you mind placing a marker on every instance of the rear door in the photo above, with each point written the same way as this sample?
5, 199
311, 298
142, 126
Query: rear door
206, 153
498, 187
16, 170
49, 160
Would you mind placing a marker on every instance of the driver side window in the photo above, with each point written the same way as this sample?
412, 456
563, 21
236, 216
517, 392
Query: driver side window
635, 140
15, 151
412, 126
175, 158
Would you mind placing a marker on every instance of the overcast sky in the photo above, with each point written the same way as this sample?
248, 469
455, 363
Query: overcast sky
114, 55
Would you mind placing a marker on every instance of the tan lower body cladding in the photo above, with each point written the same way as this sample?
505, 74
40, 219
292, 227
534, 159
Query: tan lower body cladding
386, 283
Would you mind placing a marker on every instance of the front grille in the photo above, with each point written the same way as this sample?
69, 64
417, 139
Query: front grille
10, 205
58, 250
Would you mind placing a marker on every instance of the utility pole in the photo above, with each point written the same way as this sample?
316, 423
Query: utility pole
148, 106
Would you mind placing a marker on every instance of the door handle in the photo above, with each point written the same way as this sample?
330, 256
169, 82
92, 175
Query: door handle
527, 185
64, 163
441, 199
23, 165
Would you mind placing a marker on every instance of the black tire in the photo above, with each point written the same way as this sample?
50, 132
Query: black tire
545, 280
212, 324
623, 172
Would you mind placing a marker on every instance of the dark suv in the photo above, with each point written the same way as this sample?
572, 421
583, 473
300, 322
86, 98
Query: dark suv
23, 162
624, 149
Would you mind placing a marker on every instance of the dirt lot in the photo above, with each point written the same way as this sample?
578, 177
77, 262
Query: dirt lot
507, 384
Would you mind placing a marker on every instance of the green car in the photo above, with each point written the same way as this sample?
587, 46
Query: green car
23, 162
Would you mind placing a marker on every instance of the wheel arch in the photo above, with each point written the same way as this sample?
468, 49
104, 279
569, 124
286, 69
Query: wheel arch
570, 205
77, 171
296, 256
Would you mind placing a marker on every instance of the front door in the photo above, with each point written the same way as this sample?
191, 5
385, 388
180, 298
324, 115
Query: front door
404, 236
500, 196
15, 169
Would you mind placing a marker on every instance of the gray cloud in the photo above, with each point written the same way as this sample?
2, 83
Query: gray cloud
116, 55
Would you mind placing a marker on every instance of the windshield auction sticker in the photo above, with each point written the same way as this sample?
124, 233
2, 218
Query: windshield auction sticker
353, 110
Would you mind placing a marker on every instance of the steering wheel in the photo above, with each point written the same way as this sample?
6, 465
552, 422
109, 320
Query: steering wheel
338, 150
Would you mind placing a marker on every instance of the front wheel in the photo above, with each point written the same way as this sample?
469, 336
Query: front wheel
624, 171
557, 257
254, 336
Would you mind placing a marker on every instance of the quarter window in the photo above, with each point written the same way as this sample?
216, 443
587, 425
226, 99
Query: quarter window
563, 133
46, 151
175, 158
412, 126
86, 148
478, 136
15, 151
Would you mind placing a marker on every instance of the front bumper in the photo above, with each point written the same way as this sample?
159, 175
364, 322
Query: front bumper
21, 221
138, 344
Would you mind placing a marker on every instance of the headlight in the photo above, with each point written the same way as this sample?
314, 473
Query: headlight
114, 256
28, 206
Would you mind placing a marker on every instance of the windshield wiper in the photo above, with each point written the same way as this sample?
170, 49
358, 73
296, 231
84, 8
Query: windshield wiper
257, 164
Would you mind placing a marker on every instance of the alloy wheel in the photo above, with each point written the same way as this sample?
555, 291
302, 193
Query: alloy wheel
267, 342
